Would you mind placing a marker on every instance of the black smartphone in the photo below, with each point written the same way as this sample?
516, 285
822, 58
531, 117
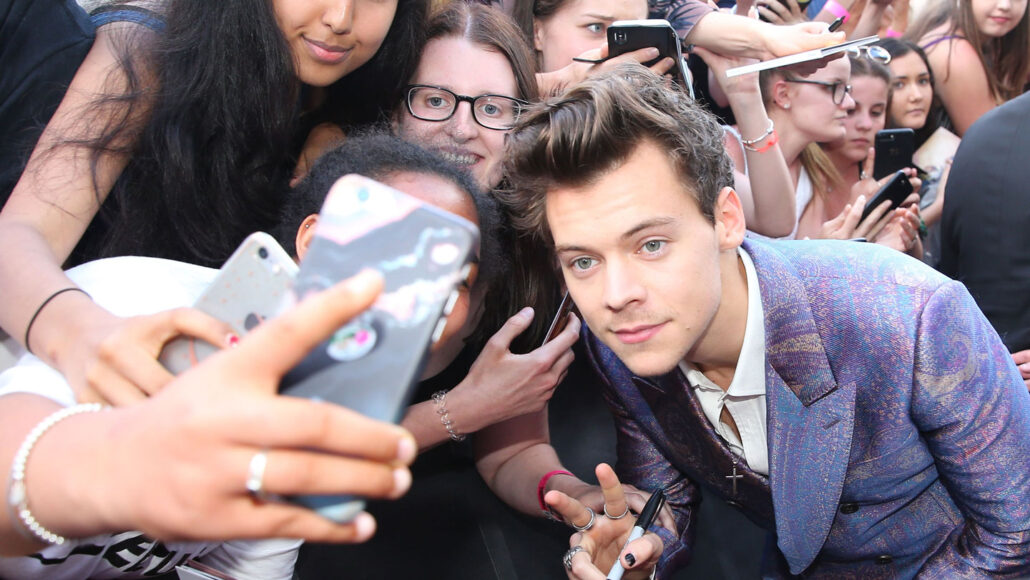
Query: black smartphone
894, 151
895, 191
373, 363
802, 4
629, 35
561, 319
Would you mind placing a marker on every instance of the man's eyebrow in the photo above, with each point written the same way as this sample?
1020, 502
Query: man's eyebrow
644, 225
651, 223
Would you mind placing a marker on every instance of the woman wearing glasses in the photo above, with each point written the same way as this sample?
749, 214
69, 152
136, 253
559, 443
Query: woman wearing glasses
848, 176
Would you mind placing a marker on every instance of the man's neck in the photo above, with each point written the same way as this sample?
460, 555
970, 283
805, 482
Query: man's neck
717, 352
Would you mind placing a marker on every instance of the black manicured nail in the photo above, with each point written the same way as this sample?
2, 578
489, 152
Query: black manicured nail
631, 559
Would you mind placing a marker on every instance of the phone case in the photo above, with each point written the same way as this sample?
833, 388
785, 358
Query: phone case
250, 287
373, 363
629, 35
895, 190
894, 150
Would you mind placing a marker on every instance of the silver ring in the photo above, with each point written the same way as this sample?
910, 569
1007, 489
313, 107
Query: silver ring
256, 475
567, 558
619, 517
588, 525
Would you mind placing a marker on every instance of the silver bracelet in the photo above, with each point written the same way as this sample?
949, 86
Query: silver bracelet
439, 398
17, 498
752, 142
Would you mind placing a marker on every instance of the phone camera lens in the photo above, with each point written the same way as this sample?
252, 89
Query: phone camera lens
620, 38
263, 253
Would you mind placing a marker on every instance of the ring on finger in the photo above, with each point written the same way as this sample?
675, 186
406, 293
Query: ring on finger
618, 517
256, 476
586, 526
567, 558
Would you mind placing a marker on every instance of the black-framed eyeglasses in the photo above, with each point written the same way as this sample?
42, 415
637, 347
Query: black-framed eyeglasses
837, 89
874, 53
431, 103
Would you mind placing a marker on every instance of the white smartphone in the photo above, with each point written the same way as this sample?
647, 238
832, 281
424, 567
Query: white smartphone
250, 287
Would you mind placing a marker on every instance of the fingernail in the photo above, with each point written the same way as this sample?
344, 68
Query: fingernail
631, 559
401, 481
232, 340
407, 450
1025, 366
365, 280
364, 526
651, 52
526, 313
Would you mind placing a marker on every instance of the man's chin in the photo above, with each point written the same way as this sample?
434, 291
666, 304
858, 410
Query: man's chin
647, 363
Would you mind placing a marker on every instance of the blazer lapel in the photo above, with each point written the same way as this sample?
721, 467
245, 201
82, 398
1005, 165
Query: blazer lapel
810, 415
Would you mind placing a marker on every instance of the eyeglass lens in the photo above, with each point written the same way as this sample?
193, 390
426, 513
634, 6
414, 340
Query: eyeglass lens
437, 104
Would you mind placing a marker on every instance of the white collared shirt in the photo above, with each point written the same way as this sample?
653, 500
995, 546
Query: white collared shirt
745, 397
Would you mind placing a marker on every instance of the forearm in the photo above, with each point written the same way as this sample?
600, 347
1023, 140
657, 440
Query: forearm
728, 34
772, 188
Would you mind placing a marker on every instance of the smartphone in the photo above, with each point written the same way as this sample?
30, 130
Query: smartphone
250, 287
802, 4
894, 150
895, 191
561, 319
629, 35
373, 363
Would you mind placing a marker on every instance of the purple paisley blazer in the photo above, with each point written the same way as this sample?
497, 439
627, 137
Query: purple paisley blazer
898, 426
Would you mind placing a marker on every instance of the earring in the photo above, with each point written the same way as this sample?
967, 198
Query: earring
786, 105
307, 226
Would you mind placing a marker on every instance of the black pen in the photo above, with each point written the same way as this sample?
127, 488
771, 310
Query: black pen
836, 24
644, 521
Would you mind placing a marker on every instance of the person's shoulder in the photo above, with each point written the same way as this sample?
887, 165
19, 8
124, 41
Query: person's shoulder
847, 264
133, 285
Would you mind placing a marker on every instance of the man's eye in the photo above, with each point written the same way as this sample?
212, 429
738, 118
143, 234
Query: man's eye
652, 246
582, 263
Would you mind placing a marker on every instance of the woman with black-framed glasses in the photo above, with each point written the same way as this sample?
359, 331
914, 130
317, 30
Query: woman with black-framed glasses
806, 110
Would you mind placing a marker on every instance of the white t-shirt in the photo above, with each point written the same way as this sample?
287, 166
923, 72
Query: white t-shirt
130, 286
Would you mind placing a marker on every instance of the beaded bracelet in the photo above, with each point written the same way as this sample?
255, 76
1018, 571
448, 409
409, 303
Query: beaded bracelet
17, 498
439, 398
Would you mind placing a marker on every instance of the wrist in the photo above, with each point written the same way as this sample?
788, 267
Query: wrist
59, 320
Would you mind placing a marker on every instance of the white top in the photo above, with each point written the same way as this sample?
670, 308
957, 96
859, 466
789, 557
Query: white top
745, 397
129, 286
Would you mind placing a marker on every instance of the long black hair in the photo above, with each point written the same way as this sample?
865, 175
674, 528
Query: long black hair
210, 160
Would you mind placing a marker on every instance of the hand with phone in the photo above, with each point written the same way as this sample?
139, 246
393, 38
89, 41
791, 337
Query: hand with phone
502, 385
114, 359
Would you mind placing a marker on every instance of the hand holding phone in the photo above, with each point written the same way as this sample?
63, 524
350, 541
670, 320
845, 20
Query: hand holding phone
626, 36
896, 190
373, 363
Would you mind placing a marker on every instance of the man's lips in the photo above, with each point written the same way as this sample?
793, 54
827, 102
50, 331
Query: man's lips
637, 334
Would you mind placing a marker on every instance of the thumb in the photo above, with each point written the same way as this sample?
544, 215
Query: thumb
869, 163
515, 326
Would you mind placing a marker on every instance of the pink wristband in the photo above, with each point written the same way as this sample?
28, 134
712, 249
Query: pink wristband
543, 483
891, 33
833, 7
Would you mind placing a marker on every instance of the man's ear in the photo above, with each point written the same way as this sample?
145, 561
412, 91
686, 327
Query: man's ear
305, 233
729, 219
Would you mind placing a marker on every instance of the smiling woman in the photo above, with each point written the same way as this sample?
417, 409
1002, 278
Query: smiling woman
215, 145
